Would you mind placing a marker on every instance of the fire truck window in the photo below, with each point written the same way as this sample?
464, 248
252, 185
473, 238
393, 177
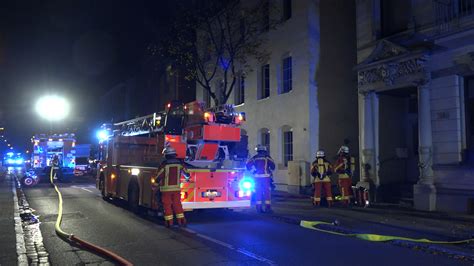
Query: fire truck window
174, 122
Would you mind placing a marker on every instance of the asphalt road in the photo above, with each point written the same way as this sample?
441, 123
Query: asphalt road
217, 237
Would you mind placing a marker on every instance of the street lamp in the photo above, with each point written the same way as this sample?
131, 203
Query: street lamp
52, 107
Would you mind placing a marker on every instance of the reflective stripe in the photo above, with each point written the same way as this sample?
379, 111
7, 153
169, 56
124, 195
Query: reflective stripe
343, 176
329, 198
268, 202
180, 215
170, 188
325, 180
168, 217
317, 199
261, 175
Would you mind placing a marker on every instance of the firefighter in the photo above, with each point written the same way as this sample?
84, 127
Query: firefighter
262, 166
321, 170
169, 180
344, 167
56, 167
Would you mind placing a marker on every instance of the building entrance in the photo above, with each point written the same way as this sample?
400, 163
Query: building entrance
398, 145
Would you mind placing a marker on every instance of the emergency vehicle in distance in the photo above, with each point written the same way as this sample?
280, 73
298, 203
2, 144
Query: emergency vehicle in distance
209, 142
45, 146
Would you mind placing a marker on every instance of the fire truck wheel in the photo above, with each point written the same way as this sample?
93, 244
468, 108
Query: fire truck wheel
133, 193
102, 187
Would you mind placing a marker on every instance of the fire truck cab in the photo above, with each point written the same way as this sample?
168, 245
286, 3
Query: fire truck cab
208, 141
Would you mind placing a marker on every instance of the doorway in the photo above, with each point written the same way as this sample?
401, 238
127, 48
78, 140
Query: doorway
398, 145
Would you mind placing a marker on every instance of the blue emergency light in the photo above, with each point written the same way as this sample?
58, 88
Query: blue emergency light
246, 184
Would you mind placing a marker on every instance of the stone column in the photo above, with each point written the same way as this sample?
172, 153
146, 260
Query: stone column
424, 191
368, 149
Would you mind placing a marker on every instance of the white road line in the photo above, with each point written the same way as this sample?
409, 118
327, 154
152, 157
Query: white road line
87, 190
20, 238
229, 246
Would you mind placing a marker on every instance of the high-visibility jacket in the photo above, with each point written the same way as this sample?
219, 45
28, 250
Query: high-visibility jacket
263, 165
321, 170
345, 166
169, 175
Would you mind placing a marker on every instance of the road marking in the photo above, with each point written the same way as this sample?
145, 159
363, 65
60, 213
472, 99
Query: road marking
86, 189
229, 246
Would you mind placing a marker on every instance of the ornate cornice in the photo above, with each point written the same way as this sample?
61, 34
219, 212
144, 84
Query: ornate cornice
390, 72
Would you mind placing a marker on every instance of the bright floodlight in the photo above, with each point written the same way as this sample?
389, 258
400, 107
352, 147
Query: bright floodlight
52, 108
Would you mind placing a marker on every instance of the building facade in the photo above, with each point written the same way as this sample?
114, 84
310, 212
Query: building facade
415, 83
304, 97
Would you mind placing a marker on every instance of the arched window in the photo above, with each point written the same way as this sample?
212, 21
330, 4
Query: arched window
264, 138
287, 141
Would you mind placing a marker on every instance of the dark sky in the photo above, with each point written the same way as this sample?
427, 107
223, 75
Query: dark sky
77, 49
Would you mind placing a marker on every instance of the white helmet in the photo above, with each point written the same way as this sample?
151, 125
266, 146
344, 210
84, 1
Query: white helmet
168, 150
344, 149
261, 148
320, 154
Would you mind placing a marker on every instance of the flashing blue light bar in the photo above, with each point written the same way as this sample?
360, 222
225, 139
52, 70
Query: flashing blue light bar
10, 161
102, 135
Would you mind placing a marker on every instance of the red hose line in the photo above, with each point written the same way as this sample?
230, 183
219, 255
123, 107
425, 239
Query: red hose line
100, 250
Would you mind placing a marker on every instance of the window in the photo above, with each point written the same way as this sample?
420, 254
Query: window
286, 10
396, 15
287, 146
287, 75
265, 138
239, 92
265, 82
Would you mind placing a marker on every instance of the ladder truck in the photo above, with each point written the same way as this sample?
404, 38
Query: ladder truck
208, 141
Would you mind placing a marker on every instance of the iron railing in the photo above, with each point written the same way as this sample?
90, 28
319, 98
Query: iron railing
449, 13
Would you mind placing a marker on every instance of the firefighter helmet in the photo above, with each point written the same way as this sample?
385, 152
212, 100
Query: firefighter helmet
168, 150
320, 154
261, 148
344, 149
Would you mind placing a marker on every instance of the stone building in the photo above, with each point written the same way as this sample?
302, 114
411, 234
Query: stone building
416, 101
304, 97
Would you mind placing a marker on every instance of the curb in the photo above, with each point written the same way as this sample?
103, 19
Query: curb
20, 235
30, 247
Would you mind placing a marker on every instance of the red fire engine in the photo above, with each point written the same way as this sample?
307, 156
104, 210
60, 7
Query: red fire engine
208, 141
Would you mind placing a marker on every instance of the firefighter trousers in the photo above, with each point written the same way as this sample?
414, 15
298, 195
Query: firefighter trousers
345, 185
322, 185
172, 202
263, 191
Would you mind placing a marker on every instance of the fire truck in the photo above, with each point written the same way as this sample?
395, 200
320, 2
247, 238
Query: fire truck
209, 141
46, 146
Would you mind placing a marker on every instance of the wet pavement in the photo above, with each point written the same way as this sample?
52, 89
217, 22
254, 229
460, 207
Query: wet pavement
213, 237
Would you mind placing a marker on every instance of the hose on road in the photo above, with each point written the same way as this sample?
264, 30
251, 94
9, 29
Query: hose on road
313, 225
73, 239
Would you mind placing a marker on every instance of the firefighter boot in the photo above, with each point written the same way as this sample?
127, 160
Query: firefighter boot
329, 203
182, 222
259, 208
168, 223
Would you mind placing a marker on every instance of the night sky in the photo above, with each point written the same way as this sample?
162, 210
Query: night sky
77, 49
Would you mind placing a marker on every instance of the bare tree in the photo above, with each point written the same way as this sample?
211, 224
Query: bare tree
214, 41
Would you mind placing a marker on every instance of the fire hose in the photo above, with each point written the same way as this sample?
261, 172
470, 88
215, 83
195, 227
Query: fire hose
313, 225
73, 239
